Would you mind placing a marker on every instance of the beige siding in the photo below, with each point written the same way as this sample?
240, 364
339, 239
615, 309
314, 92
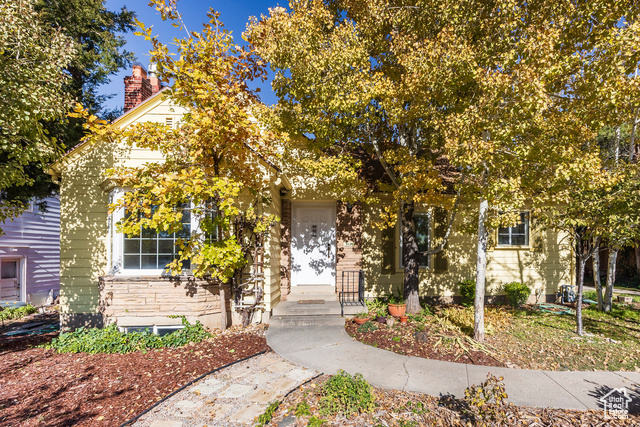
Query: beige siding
85, 237
272, 252
83, 230
84, 234
546, 265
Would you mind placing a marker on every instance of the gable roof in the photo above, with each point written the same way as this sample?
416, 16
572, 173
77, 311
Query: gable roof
141, 109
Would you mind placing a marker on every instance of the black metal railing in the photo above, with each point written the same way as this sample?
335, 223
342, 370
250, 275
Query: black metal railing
351, 289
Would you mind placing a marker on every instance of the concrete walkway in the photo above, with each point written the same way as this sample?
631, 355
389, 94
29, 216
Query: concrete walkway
615, 290
329, 348
230, 397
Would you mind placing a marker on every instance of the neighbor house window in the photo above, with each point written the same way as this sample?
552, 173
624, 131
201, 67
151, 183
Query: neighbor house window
423, 229
517, 235
151, 250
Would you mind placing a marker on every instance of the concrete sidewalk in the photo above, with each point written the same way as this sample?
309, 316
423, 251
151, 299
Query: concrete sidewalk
329, 348
615, 291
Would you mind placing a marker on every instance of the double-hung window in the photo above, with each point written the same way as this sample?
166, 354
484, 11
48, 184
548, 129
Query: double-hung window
517, 235
423, 238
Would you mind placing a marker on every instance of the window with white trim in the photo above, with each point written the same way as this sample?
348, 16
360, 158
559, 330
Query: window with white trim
517, 235
423, 238
152, 250
148, 252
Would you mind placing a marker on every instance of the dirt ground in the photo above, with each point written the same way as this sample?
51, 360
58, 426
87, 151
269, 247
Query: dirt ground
40, 387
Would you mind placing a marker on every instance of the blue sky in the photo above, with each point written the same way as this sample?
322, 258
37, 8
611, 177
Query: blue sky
234, 15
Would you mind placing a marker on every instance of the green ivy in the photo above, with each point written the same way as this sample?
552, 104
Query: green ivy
346, 394
110, 340
17, 312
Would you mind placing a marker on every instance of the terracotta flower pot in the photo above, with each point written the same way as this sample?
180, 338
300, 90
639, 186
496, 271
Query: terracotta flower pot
360, 320
403, 319
397, 310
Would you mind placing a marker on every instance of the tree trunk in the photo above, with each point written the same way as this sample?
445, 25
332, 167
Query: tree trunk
632, 138
637, 253
581, 264
616, 149
223, 308
611, 279
481, 269
596, 275
410, 256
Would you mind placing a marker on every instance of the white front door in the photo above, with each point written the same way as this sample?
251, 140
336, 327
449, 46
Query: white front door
313, 245
10, 280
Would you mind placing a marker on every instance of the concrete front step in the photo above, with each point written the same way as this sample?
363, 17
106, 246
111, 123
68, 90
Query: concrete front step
313, 289
294, 321
294, 308
311, 296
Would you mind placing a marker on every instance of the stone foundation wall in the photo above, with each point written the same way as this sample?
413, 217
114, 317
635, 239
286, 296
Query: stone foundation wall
148, 301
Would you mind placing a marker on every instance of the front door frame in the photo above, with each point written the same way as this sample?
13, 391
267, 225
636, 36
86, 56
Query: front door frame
331, 205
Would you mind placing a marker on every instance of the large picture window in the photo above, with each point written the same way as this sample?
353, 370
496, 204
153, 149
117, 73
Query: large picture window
423, 230
517, 235
150, 250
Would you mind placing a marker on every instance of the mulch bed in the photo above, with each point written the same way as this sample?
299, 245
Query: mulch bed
398, 408
400, 338
40, 387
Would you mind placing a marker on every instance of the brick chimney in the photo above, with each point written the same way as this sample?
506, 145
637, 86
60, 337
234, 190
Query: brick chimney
139, 87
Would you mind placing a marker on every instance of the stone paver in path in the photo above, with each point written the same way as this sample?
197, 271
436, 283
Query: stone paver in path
231, 397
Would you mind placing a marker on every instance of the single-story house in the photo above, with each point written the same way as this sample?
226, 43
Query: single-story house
30, 254
106, 278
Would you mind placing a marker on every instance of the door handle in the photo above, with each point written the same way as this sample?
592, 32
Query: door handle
329, 250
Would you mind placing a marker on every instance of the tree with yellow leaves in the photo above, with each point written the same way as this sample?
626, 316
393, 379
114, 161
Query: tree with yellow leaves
494, 88
215, 161
345, 79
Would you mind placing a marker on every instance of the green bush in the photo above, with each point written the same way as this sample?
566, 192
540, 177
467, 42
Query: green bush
366, 327
111, 340
516, 293
592, 295
376, 304
17, 312
422, 316
346, 394
467, 291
